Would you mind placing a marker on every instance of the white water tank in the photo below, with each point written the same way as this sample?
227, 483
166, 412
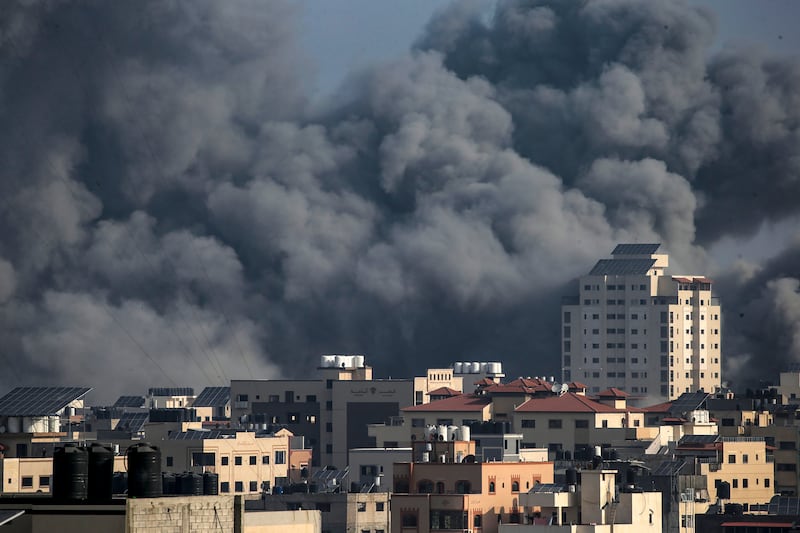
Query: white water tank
496, 368
28, 425
426, 457
475, 367
458, 366
443, 458
484, 367
359, 361
53, 424
465, 433
452, 433
340, 361
460, 457
428, 447
328, 361
442, 431
598, 451
428, 431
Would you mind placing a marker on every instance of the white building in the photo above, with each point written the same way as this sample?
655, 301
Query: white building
635, 328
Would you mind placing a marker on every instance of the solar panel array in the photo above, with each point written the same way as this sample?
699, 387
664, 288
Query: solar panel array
129, 401
698, 439
622, 267
635, 249
170, 391
133, 422
39, 401
784, 505
213, 397
547, 487
195, 434
688, 401
669, 468
329, 480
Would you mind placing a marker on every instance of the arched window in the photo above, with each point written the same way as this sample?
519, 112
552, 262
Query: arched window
463, 486
515, 486
440, 487
425, 486
491, 486
409, 520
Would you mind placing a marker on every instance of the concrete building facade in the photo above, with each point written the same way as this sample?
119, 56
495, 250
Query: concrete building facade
633, 327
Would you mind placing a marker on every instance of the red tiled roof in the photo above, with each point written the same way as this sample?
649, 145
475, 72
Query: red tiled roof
682, 280
577, 385
521, 386
658, 408
444, 391
613, 392
566, 403
484, 381
461, 402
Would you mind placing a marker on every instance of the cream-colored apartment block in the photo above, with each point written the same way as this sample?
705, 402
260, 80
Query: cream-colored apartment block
633, 327
435, 378
246, 463
31, 475
595, 507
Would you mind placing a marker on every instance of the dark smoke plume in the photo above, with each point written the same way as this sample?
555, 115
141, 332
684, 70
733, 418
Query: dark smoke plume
174, 211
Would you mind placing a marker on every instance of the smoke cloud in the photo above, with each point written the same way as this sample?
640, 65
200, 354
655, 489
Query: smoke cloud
177, 211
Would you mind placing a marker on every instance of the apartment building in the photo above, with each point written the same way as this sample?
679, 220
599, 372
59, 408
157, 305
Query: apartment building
332, 411
593, 506
784, 436
633, 327
246, 462
463, 496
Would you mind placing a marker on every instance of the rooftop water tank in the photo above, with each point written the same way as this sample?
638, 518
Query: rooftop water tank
458, 366
101, 471
70, 472
144, 471
169, 483
359, 361
475, 367
190, 484
442, 431
210, 483
496, 368
465, 433
328, 361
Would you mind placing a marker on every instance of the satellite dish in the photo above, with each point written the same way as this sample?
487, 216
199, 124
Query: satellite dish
564, 388
556, 387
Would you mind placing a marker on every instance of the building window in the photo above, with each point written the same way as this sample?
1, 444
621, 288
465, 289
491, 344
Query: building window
254, 486
745, 458
766, 482
379, 506
44, 481
27, 481
515, 486
280, 457
605, 423
732, 459
477, 520
328, 427
225, 486
528, 423
204, 459
311, 398
491, 486
170, 461
409, 520
237, 460
328, 405
253, 460
265, 459
329, 448
239, 486
581, 424
744, 483
735, 484
554, 423
224, 460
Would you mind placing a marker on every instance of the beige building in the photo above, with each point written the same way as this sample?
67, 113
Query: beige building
246, 462
340, 511
571, 425
635, 328
789, 387
596, 506
31, 475
784, 436
332, 412
434, 379
462, 496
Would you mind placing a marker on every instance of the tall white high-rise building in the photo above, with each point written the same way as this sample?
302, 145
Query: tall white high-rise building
635, 328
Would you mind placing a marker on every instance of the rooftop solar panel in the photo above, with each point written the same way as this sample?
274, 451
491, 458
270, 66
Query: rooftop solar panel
129, 401
7, 516
39, 401
669, 468
170, 391
698, 439
622, 267
213, 397
133, 422
547, 487
635, 249
688, 401
784, 505
196, 434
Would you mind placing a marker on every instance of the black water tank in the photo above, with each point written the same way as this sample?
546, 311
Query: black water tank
119, 483
630, 476
70, 472
210, 484
572, 476
168, 483
724, 490
734, 508
190, 484
101, 471
144, 471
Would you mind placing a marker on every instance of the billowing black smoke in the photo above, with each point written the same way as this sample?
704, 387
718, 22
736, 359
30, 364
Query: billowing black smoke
174, 212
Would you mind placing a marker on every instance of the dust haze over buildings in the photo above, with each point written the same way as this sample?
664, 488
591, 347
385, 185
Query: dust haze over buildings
176, 210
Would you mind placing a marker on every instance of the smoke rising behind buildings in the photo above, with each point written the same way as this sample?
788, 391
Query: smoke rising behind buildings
176, 210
